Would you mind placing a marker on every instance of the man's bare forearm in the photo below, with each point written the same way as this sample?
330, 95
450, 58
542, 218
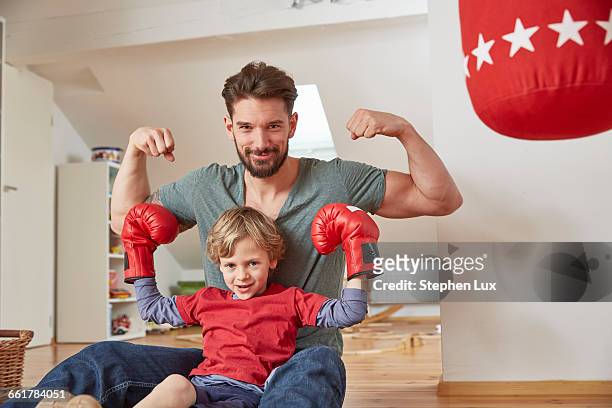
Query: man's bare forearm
428, 172
131, 186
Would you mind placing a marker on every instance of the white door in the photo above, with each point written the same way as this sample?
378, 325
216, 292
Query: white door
27, 205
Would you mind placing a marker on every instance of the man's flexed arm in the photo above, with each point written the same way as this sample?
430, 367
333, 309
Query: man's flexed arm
132, 183
428, 188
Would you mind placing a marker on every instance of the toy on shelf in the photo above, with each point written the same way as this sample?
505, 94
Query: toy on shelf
105, 153
118, 293
121, 325
112, 279
189, 287
115, 292
116, 249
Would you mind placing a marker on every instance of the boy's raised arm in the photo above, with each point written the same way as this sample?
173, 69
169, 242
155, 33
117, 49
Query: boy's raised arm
347, 311
152, 305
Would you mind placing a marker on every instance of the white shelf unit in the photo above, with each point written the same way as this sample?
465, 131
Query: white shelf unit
123, 300
84, 239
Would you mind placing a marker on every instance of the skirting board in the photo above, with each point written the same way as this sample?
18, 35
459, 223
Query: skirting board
523, 388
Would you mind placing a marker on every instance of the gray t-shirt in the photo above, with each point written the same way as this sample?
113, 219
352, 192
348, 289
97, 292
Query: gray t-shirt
203, 194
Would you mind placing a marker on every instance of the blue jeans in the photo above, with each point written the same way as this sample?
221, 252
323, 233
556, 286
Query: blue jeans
119, 374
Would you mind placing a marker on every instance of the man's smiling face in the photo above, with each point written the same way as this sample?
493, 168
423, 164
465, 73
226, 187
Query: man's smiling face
261, 129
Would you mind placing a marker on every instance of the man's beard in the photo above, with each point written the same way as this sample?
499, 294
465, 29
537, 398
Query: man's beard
262, 168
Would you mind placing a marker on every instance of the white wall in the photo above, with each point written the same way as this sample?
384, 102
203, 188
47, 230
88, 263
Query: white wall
192, 275
167, 270
68, 146
517, 191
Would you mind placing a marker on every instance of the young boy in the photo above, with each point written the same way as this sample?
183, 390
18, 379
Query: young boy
249, 330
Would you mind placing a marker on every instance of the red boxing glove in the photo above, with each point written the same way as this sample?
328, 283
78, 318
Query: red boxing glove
354, 229
146, 226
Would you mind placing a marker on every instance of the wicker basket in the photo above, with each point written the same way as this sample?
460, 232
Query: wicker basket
12, 353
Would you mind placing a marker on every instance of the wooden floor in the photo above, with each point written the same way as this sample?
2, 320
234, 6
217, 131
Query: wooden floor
395, 379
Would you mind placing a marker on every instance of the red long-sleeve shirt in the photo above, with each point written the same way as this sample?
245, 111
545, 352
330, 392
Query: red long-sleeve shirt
247, 339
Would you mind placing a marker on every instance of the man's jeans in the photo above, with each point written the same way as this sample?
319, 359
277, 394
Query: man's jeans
120, 374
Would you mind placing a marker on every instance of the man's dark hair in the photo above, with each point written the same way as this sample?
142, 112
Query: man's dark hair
259, 80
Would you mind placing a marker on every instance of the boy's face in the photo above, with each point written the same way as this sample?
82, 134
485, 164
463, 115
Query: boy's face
246, 272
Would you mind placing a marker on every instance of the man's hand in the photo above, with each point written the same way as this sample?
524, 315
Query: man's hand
368, 123
152, 142
131, 185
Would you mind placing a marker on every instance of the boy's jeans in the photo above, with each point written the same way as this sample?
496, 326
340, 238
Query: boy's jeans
120, 374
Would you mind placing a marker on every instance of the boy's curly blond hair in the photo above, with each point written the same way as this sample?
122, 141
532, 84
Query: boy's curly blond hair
242, 222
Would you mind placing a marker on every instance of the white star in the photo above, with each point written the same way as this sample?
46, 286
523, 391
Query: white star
482, 52
568, 29
607, 25
520, 37
465, 66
